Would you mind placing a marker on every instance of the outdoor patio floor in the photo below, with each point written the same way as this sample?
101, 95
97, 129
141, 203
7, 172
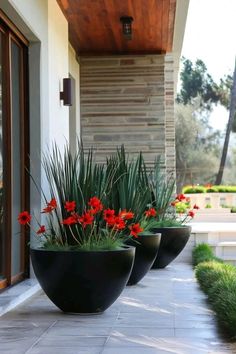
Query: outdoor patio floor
165, 313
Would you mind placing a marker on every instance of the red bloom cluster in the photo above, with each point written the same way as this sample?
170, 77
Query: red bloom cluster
41, 230
150, 212
86, 219
126, 215
70, 206
117, 222
135, 229
50, 206
180, 197
95, 204
24, 218
191, 213
113, 221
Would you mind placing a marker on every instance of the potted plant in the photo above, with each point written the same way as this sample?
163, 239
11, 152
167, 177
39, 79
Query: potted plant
174, 230
81, 260
172, 217
147, 245
131, 190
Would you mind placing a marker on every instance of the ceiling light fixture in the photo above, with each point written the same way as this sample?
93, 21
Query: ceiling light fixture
127, 26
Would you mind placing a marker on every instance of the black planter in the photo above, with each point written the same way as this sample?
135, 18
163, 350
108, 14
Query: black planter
145, 254
83, 281
173, 241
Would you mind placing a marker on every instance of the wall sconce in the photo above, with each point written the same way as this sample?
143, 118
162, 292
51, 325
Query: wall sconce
66, 94
127, 26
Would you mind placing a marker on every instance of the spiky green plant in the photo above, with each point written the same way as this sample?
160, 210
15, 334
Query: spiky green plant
74, 177
131, 189
163, 188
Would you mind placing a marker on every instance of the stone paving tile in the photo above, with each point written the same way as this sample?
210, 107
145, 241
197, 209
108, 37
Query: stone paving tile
166, 313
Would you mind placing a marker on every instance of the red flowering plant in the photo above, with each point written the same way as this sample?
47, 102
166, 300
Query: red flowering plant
179, 212
165, 209
95, 228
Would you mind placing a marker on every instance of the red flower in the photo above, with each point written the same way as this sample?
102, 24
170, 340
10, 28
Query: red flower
180, 197
110, 221
108, 214
70, 206
119, 223
24, 218
150, 212
50, 206
135, 229
71, 220
95, 204
191, 213
196, 207
41, 230
126, 215
86, 219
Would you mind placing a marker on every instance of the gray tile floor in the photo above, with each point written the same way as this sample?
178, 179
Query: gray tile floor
165, 313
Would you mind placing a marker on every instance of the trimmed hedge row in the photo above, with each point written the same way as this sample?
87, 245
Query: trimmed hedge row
218, 280
212, 189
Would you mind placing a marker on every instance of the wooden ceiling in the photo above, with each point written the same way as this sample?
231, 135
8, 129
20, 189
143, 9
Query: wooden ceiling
95, 27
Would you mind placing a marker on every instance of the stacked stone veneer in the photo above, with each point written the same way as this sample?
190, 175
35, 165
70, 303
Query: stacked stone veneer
129, 100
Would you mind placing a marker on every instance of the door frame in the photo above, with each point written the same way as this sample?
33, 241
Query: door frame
12, 34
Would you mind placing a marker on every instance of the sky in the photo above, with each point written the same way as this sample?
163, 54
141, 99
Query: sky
210, 35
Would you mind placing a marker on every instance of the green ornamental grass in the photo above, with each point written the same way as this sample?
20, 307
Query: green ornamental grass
218, 281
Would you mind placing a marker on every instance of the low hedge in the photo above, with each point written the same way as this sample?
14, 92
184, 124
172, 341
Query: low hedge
218, 280
212, 189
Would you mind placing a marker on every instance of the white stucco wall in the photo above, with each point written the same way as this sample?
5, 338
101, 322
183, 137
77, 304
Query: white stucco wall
43, 24
74, 124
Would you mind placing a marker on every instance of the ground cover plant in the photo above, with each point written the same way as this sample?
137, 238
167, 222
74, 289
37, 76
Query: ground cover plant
208, 189
218, 280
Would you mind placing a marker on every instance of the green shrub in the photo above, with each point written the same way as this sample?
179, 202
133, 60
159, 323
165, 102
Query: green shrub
209, 272
194, 189
208, 206
202, 253
212, 189
223, 298
218, 281
233, 210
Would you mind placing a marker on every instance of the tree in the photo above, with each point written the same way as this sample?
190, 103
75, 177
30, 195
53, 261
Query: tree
197, 83
197, 147
232, 110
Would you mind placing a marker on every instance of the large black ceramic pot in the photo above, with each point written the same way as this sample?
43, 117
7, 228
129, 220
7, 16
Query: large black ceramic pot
173, 241
145, 254
83, 281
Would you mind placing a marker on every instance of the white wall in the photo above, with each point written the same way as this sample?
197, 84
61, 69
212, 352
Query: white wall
46, 28
43, 24
74, 126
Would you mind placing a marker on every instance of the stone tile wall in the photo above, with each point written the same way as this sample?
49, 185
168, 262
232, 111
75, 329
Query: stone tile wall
129, 100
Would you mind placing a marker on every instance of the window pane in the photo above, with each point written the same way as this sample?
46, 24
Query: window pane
16, 156
1, 169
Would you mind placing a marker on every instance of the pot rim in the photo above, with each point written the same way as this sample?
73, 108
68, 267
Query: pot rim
123, 248
150, 234
173, 227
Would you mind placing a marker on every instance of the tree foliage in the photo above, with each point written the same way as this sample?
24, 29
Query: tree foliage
201, 93
196, 82
197, 147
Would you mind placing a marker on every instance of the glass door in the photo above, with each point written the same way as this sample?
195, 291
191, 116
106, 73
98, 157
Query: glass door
13, 154
2, 243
